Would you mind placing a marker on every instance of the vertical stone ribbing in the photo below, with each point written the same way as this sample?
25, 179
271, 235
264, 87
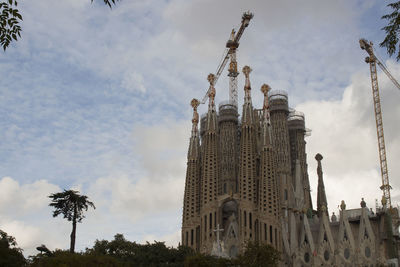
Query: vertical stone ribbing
191, 203
322, 203
247, 164
268, 204
297, 130
209, 172
228, 128
280, 139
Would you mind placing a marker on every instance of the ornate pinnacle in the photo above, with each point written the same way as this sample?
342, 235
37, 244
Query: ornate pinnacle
211, 91
246, 71
265, 88
211, 78
247, 97
321, 195
362, 203
342, 205
195, 103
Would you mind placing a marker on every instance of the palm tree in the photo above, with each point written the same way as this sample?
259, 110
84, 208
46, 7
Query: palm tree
71, 205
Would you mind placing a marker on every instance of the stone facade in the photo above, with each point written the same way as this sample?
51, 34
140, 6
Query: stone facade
248, 180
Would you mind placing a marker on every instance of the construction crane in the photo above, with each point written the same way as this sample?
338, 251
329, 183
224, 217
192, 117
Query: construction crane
373, 60
230, 52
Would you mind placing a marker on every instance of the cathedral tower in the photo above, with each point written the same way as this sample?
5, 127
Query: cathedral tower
279, 110
297, 132
191, 203
268, 204
209, 172
247, 165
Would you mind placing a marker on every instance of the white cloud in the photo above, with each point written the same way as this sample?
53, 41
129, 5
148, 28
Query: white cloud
98, 99
344, 132
133, 82
16, 199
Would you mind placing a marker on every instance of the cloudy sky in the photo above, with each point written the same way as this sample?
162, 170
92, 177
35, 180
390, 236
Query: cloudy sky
98, 100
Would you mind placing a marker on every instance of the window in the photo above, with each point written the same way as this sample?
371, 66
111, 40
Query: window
270, 234
265, 231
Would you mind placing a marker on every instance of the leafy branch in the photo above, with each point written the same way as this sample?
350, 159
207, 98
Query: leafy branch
10, 18
9, 23
392, 30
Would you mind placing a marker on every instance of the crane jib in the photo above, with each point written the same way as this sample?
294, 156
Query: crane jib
247, 16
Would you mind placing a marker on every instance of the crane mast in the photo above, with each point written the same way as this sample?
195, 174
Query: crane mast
230, 53
373, 60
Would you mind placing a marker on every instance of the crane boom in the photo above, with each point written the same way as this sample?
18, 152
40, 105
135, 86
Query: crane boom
217, 73
373, 60
230, 52
387, 73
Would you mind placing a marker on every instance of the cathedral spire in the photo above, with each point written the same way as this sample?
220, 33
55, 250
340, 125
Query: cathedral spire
247, 116
247, 86
194, 139
321, 195
265, 88
212, 113
211, 92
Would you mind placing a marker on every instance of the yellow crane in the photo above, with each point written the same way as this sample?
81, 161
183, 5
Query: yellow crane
230, 52
373, 60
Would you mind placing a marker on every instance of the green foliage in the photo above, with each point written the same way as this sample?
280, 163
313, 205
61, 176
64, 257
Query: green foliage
9, 22
10, 254
392, 30
133, 254
10, 18
109, 2
201, 260
258, 255
62, 258
70, 204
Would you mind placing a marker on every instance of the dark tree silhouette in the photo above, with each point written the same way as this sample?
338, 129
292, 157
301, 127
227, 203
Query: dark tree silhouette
10, 253
10, 18
71, 205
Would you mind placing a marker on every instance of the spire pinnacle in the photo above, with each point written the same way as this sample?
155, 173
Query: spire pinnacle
211, 91
247, 87
265, 88
195, 120
322, 203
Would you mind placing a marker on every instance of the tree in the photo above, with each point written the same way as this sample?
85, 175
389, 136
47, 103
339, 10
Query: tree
132, 254
258, 255
71, 205
66, 258
10, 18
202, 260
392, 30
10, 253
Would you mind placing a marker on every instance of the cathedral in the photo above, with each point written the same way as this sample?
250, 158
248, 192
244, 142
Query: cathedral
247, 180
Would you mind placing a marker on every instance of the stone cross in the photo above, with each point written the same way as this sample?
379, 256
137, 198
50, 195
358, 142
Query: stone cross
218, 242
